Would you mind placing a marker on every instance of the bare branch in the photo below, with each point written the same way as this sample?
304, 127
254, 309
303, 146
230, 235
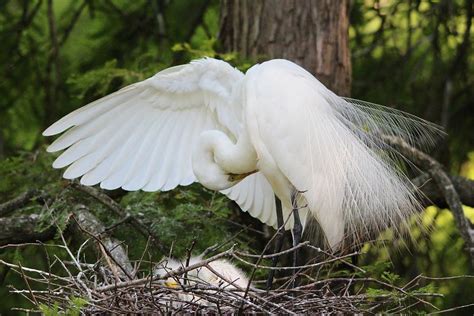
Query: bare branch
21, 229
434, 196
445, 185
18, 202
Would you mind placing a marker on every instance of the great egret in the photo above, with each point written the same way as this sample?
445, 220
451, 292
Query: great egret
275, 130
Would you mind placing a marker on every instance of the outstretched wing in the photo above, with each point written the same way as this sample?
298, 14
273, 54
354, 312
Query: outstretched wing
333, 151
142, 136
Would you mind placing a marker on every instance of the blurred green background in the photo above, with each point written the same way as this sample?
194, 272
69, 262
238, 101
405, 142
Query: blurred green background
415, 55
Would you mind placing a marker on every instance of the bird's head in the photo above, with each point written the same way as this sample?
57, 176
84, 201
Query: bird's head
236, 178
164, 267
212, 165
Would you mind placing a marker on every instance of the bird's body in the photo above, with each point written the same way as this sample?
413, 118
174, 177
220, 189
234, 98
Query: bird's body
217, 275
275, 130
221, 273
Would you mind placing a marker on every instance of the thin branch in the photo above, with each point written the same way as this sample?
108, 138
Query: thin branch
23, 229
436, 170
72, 23
86, 219
20, 201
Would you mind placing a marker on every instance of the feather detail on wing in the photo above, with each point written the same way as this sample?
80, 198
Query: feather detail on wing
332, 151
142, 136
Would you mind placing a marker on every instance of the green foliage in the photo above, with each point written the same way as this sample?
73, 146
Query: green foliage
103, 80
181, 216
410, 55
206, 48
390, 277
74, 308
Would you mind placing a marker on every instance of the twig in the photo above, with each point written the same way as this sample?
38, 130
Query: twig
451, 309
107, 252
27, 284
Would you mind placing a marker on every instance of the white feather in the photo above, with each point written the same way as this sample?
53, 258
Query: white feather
139, 170
300, 137
334, 154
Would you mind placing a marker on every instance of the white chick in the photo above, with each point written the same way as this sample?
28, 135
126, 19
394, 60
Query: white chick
227, 276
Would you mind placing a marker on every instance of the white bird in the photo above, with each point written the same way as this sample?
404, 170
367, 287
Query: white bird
275, 130
222, 273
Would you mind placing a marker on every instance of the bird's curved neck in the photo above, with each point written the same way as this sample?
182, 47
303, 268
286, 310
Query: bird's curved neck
216, 157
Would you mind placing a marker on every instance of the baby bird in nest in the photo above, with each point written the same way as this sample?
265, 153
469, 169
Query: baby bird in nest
219, 273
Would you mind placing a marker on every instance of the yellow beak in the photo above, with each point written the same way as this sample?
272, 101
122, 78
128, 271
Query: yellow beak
238, 177
171, 283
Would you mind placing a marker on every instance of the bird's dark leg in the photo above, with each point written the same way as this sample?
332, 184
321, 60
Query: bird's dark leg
297, 232
278, 241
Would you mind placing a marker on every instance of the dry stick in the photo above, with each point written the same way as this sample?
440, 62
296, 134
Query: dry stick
243, 254
117, 209
26, 310
28, 284
117, 224
42, 273
216, 246
104, 248
188, 258
333, 256
49, 269
399, 289
242, 290
235, 295
69, 251
29, 244
452, 309
78, 255
109, 263
137, 268
297, 267
252, 275
444, 183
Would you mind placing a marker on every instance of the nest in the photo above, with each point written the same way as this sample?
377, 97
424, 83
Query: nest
107, 286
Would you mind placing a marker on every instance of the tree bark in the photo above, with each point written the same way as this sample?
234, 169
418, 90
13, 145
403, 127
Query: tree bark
109, 248
22, 229
311, 33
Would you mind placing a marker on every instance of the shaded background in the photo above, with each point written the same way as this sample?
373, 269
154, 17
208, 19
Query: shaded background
414, 55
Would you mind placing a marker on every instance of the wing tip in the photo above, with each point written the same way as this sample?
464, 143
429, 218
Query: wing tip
50, 131
56, 128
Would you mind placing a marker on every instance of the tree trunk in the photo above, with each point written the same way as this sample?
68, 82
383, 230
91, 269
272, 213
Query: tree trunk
311, 33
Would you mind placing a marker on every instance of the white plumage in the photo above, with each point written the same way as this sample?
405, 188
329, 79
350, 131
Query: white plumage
208, 122
222, 273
